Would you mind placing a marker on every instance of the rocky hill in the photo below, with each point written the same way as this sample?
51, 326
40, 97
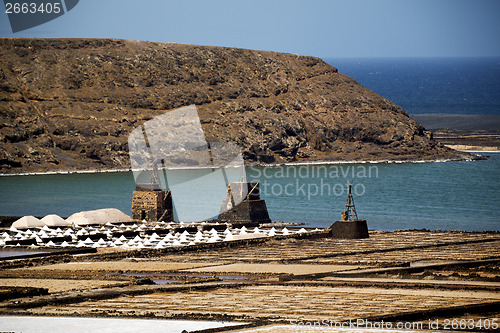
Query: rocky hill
69, 104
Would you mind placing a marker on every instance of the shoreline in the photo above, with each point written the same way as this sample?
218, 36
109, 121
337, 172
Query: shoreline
66, 172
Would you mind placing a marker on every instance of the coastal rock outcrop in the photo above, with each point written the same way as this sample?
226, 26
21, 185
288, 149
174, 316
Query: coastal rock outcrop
70, 104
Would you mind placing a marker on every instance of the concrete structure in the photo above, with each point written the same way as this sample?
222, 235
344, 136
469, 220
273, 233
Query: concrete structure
151, 203
243, 205
349, 226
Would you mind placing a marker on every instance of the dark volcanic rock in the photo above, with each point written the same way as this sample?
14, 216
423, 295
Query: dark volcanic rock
69, 104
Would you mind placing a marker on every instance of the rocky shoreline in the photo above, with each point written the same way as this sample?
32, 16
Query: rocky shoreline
470, 150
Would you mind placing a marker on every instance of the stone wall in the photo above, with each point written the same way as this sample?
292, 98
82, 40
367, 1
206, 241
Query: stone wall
152, 205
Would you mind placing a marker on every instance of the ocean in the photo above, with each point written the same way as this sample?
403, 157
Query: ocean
430, 85
438, 195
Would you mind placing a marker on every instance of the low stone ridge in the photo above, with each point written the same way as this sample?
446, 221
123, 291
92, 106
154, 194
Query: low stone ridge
70, 104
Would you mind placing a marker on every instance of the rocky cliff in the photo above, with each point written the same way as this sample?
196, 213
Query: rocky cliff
69, 104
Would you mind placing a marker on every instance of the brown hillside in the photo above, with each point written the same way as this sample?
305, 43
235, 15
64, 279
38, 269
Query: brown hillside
69, 104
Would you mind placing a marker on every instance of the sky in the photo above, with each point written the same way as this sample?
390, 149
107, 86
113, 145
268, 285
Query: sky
322, 28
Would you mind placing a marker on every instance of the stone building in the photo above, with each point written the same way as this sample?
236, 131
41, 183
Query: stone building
243, 205
151, 203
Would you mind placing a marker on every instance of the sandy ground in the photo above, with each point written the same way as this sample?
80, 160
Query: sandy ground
125, 266
296, 269
387, 277
57, 285
474, 148
414, 281
283, 302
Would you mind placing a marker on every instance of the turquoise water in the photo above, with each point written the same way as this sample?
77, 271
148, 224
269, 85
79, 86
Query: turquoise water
451, 196
448, 195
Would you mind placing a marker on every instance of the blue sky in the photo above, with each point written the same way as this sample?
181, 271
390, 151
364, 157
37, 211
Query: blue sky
334, 28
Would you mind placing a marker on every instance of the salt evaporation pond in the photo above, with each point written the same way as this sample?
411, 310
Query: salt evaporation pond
86, 325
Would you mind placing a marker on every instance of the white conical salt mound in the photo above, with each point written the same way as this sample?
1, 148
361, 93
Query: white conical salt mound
54, 220
212, 240
26, 222
82, 232
285, 231
301, 231
272, 232
160, 245
88, 241
122, 238
229, 237
99, 216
